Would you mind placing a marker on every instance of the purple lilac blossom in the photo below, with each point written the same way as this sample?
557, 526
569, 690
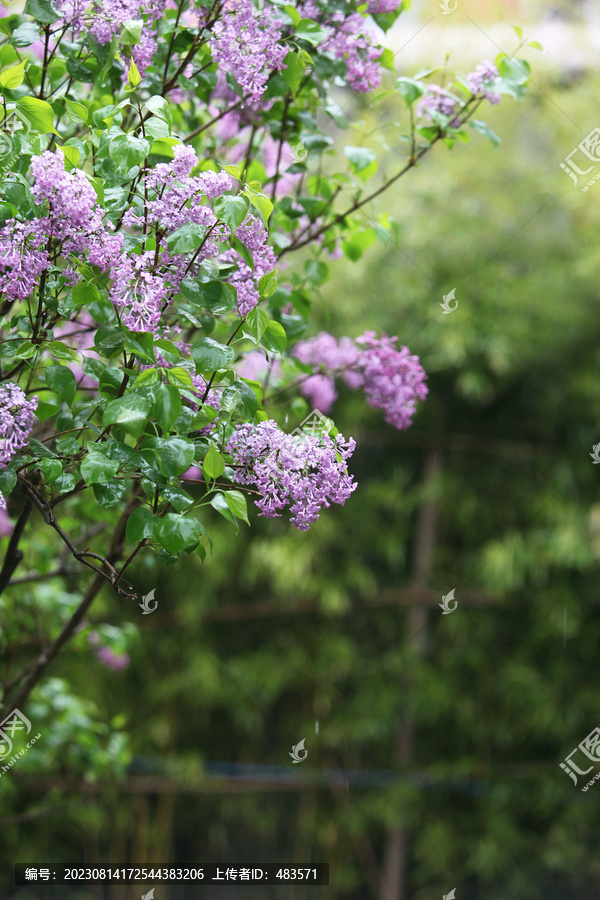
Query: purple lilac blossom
393, 380
438, 100
16, 422
6, 525
352, 41
253, 234
485, 74
245, 42
254, 366
108, 17
383, 6
304, 472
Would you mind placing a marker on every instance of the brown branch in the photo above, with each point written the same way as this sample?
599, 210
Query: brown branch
49, 653
14, 555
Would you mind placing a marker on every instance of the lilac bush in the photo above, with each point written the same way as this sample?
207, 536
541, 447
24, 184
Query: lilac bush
164, 163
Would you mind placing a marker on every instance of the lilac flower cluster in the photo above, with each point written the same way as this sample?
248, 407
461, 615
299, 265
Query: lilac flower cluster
383, 6
479, 80
70, 219
392, 379
177, 195
253, 234
107, 18
245, 42
305, 472
16, 421
326, 353
349, 39
438, 100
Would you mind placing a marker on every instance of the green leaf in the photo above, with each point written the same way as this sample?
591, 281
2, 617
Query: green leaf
293, 14
215, 296
160, 107
179, 377
131, 33
386, 60
219, 503
310, 31
110, 494
44, 11
51, 468
8, 479
85, 293
262, 204
109, 340
13, 77
175, 454
186, 238
210, 355
140, 524
65, 483
257, 321
267, 285
62, 381
231, 209
236, 244
359, 157
274, 337
25, 35
148, 378
236, 502
61, 351
294, 70
76, 111
40, 451
128, 151
97, 469
38, 113
141, 343
130, 411
486, 131
516, 70
178, 498
410, 89
213, 464
167, 406
133, 76
239, 400
177, 533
